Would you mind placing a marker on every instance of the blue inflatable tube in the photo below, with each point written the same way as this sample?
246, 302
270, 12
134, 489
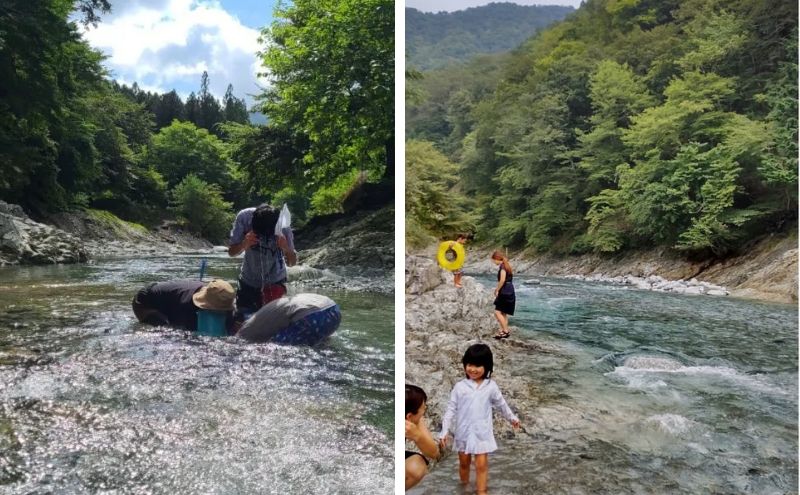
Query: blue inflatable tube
311, 329
302, 319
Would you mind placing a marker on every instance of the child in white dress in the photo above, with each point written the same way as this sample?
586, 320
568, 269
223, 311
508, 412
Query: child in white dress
471, 403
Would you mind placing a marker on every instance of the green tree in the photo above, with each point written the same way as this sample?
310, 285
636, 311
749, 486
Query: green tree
192, 109
235, 109
209, 110
182, 149
433, 208
332, 67
201, 205
617, 95
45, 68
170, 107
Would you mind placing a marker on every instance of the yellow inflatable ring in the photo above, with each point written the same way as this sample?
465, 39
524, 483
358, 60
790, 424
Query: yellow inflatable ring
457, 262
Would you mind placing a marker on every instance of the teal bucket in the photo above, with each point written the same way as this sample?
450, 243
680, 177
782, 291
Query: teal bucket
211, 323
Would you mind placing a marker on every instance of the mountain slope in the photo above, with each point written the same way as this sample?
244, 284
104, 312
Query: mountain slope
436, 40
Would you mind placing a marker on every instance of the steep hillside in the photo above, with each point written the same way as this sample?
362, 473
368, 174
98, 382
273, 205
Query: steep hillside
436, 40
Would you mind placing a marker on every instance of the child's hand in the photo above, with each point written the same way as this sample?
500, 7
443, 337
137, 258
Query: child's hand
515, 424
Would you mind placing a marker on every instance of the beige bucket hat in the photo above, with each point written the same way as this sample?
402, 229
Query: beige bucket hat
217, 295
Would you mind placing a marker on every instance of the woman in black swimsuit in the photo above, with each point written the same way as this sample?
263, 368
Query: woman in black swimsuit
417, 432
504, 296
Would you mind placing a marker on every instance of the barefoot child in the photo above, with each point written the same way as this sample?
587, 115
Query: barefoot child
461, 239
471, 403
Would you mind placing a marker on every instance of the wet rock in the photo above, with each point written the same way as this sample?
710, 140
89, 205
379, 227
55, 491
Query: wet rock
24, 241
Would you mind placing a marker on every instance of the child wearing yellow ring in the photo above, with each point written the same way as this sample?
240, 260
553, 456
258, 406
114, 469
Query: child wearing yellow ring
457, 274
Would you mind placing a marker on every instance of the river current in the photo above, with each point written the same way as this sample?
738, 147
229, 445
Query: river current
92, 401
649, 393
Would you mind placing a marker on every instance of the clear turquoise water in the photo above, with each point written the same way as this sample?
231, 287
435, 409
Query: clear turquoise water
650, 393
92, 401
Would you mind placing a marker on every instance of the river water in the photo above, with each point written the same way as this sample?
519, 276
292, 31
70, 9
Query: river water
92, 401
649, 393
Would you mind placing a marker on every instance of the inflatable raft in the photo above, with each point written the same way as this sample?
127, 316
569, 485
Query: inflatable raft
302, 319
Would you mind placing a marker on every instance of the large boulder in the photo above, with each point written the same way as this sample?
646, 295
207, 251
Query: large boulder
23, 241
364, 239
441, 322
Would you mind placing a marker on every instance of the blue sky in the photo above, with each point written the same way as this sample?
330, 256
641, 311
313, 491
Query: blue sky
167, 44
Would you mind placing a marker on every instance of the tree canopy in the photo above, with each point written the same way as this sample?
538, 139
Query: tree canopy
331, 64
628, 125
435, 40
72, 138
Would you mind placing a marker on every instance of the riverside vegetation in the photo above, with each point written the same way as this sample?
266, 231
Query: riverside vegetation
627, 127
71, 139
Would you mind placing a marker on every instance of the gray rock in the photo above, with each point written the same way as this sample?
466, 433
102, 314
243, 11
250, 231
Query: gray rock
25, 241
441, 322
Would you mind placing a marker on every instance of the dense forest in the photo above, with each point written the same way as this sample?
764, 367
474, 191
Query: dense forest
631, 124
71, 138
434, 40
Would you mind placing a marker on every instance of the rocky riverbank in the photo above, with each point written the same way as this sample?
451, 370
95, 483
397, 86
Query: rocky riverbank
363, 239
25, 241
767, 271
441, 322
74, 237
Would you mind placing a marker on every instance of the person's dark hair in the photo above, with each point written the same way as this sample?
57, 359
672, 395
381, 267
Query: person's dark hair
415, 397
264, 219
479, 355
466, 236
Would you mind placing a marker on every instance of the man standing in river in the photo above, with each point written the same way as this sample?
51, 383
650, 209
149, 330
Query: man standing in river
263, 275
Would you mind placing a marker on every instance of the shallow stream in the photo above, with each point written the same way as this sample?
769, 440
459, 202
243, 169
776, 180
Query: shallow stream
650, 393
92, 401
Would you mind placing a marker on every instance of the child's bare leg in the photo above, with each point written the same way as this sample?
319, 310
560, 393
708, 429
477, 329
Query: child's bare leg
482, 473
464, 461
457, 279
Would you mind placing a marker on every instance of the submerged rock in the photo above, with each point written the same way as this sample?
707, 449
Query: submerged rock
659, 284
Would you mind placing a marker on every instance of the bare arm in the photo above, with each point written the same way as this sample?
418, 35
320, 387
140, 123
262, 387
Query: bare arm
288, 253
250, 240
500, 282
421, 436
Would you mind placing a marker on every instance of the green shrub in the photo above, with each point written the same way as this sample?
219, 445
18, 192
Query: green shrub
201, 206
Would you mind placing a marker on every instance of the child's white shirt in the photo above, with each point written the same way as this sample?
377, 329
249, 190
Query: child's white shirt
471, 405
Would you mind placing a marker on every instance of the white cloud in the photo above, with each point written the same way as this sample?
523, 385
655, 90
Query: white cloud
167, 44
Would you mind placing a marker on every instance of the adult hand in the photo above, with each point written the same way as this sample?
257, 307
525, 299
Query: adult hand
443, 442
283, 243
250, 240
496, 292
